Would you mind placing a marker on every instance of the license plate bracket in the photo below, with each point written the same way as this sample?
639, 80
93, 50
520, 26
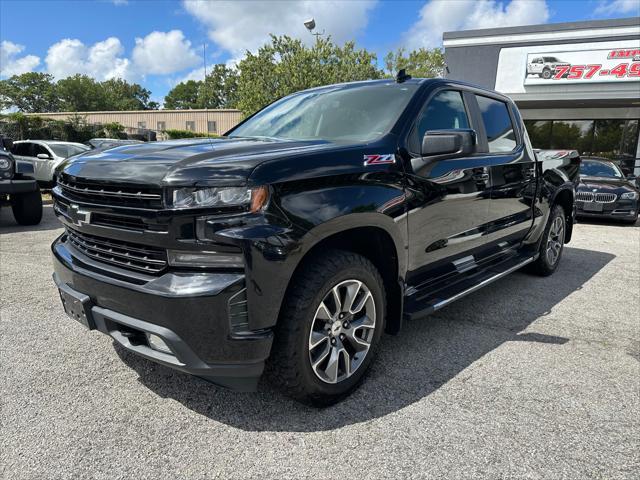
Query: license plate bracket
77, 306
592, 207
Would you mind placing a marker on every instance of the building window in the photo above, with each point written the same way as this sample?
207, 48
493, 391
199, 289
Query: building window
212, 127
162, 126
142, 124
613, 139
497, 123
190, 126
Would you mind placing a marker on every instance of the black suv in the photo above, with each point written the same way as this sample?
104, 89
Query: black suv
307, 230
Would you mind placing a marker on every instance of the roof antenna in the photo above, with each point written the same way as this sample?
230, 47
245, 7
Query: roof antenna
204, 85
402, 76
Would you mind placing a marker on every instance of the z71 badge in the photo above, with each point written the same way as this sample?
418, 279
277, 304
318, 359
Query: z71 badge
379, 159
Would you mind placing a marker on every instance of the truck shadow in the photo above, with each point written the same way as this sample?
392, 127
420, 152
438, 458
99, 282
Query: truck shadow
422, 358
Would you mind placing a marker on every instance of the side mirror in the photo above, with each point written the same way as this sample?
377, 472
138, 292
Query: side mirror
7, 143
452, 143
43, 156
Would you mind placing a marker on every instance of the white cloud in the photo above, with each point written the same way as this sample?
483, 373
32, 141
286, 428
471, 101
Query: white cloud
239, 26
163, 53
615, 7
11, 64
437, 17
120, 2
102, 61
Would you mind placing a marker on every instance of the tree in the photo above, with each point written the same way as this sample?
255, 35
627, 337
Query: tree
122, 95
80, 93
184, 96
286, 65
219, 90
421, 63
29, 92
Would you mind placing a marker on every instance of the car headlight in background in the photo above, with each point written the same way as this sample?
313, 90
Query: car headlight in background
629, 196
217, 197
5, 163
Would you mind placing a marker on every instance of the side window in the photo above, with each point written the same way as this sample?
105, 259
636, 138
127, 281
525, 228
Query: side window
22, 149
444, 111
497, 123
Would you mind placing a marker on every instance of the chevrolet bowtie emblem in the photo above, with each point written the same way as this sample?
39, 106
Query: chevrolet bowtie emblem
78, 216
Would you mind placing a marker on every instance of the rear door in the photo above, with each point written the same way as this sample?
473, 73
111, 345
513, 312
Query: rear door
512, 173
42, 166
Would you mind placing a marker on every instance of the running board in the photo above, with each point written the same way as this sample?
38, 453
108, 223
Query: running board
419, 305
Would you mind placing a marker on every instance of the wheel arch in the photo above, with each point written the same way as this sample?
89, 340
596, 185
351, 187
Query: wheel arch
565, 197
374, 242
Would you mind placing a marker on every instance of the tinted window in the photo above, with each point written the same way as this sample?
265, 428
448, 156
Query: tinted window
497, 123
357, 113
539, 133
39, 149
444, 111
22, 149
572, 134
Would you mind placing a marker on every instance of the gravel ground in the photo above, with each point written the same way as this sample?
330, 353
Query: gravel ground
528, 378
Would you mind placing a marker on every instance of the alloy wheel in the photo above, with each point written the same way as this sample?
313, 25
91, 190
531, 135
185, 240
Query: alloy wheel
555, 240
342, 331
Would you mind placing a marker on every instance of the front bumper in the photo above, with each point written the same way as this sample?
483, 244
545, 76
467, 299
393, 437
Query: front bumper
189, 311
622, 209
12, 187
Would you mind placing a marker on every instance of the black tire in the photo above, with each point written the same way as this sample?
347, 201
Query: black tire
546, 74
289, 366
27, 208
546, 264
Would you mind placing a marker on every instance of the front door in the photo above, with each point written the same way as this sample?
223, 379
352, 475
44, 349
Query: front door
448, 199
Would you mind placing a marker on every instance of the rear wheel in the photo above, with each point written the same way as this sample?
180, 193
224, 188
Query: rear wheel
552, 243
546, 74
329, 329
27, 208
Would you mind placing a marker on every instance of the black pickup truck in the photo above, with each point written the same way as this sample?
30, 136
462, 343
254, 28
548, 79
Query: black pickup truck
308, 230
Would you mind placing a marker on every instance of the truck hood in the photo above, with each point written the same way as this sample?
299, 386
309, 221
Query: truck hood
193, 162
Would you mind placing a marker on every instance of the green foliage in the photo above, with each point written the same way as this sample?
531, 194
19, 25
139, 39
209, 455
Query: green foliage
174, 134
76, 129
421, 63
287, 65
217, 91
122, 95
80, 93
184, 96
29, 92
114, 130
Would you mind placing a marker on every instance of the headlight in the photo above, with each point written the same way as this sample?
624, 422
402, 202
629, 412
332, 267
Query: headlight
629, 196
5, 163
214, 197
211, 259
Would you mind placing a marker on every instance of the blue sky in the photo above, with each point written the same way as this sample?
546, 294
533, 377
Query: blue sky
158, 43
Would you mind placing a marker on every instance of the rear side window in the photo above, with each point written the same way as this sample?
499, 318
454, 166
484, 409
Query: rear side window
497, 123
445, 111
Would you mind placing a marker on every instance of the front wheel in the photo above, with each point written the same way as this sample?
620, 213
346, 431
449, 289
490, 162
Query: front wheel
546, 74
552, 243
329, 329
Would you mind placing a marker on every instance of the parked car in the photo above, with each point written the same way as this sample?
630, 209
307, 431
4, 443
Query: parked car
544, 66
104, 143
313, 226
45, 156
18, 187
605, 192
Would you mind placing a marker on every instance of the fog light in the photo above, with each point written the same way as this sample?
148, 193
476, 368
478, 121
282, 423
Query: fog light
178, 258
158, 344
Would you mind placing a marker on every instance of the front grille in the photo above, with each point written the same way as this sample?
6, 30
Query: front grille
596, 197
125, 255
606, 197
126, 195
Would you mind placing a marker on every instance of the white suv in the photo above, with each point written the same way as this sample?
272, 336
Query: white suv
46, 155
544, 66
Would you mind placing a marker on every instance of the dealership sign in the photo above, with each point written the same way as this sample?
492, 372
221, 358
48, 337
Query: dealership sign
587, 66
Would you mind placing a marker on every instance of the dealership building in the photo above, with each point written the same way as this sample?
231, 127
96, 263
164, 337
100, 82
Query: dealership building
577, 84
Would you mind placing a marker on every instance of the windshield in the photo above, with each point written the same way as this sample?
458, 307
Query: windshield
66, 151
336, 114
591, 168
